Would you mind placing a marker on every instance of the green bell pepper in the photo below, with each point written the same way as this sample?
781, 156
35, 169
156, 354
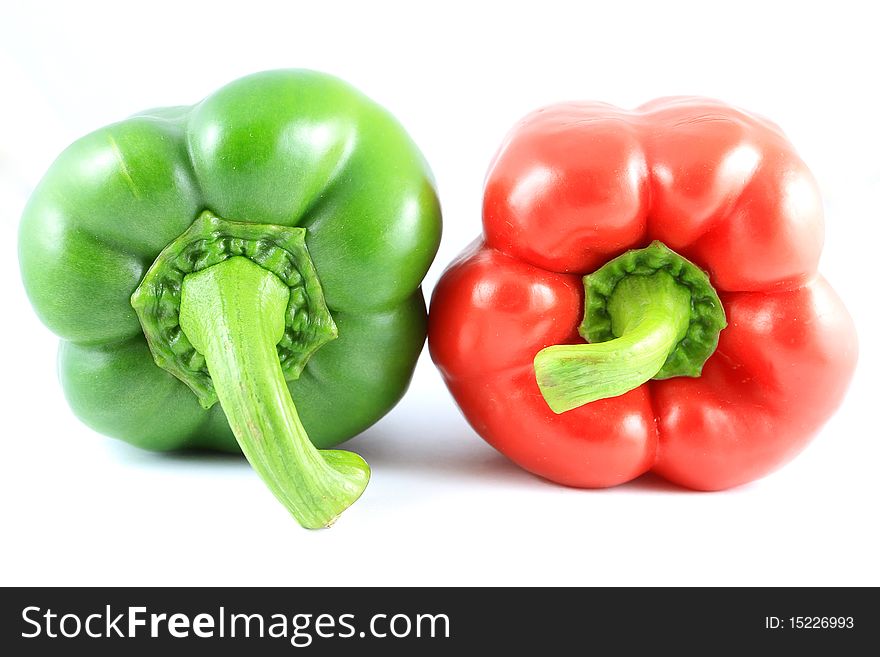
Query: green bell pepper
264, 248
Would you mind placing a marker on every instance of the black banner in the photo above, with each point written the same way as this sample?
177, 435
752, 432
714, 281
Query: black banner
434, 621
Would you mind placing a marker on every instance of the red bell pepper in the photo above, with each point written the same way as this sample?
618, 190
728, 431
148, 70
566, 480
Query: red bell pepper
727, 223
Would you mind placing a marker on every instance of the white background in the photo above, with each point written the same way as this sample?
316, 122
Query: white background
443, 507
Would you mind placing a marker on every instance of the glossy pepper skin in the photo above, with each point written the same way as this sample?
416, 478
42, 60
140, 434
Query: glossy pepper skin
576, 185
289, 148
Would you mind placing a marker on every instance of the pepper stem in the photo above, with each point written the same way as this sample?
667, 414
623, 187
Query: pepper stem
650, 314
233, 314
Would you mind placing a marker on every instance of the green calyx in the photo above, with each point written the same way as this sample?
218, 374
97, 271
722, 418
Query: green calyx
211, 240
649, 314
235, 311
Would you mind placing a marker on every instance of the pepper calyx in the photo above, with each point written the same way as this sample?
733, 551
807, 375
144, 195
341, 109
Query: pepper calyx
649, 314
208, 241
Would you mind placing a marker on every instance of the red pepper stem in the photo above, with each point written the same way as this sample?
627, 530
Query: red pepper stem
649, 314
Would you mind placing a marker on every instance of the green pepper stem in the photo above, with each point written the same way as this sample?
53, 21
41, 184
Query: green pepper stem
650, 315
233, 314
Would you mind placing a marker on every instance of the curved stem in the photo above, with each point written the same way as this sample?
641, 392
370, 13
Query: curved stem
233, 314
650, 315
